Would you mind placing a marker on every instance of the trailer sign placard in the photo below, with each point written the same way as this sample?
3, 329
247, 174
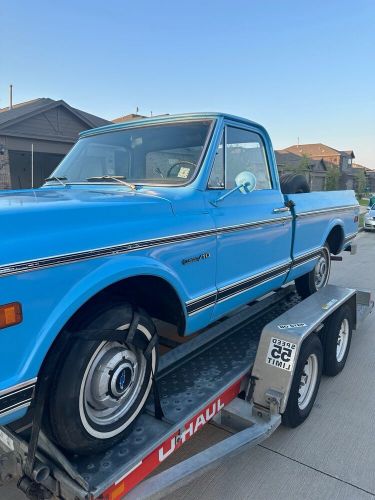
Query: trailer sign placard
281, 354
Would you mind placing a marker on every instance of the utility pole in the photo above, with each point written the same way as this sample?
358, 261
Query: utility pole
10, 96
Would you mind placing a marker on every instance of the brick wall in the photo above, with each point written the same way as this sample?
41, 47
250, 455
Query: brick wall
4, 171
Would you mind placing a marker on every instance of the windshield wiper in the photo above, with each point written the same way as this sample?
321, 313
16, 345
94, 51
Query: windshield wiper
117, 178
58, 179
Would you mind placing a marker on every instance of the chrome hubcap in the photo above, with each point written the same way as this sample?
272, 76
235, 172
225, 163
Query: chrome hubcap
113, 381
308, 381
342, 340
321, 272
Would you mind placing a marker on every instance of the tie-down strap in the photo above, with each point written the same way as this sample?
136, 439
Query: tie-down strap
128, 336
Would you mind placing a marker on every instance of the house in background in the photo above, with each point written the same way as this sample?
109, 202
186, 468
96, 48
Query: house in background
314, 170
321, 157
128, 118
48, 127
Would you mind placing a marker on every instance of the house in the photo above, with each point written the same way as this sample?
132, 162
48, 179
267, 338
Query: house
314, 170
369, 176
128, 118
326, 156
44, 126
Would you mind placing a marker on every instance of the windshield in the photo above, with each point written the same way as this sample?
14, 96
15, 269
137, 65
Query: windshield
167, 154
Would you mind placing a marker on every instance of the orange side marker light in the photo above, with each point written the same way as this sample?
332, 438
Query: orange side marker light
10, 314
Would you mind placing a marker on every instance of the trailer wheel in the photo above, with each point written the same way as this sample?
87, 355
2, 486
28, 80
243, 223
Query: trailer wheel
316, 279
305, 382
337, 337
101, 386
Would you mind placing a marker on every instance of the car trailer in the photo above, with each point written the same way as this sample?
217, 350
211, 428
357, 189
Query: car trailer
244, 374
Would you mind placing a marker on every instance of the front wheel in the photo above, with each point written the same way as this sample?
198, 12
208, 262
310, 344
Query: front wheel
316, 279
101, 386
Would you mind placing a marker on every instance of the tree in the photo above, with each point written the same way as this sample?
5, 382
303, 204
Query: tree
332, 178
360, 182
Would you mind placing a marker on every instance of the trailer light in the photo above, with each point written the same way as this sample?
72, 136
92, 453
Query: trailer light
10, 314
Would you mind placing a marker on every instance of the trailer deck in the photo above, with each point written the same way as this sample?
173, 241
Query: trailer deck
198, 381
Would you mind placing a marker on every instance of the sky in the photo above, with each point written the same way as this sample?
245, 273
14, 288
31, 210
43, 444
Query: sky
304, 69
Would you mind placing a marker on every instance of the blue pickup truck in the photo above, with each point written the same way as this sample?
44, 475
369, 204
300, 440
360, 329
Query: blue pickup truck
177, 218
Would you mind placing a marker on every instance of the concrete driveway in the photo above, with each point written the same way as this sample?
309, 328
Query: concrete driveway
332, 455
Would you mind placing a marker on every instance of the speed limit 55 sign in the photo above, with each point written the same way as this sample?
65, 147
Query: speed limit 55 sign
281, 354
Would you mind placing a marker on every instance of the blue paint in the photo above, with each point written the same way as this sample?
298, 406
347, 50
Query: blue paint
61, 220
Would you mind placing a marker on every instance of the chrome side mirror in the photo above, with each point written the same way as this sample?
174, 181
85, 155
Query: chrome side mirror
245, 183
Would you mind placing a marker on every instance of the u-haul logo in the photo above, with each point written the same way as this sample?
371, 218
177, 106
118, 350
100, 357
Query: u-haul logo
197, 423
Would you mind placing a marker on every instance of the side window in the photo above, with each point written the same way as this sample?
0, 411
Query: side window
245, 151
216, 180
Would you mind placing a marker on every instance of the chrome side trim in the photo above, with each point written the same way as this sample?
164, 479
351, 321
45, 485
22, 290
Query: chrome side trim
327, 210
16, 397
45, 262
17, 387
224, 293
12, 410
204, 301
350, 236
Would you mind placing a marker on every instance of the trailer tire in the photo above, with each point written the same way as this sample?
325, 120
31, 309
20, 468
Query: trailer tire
305, 384
101, 386
337, 337
318, 277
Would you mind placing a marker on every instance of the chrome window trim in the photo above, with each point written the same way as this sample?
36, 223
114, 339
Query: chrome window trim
202, 157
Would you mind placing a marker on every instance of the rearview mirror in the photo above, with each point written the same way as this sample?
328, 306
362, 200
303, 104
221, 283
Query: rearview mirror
245, 183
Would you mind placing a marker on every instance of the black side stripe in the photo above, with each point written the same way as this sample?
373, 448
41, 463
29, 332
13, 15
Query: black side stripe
306, 258
224, 293
251, 282
16, 399
196, 305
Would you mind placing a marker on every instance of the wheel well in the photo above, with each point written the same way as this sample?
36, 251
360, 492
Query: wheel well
335, 239
154, 294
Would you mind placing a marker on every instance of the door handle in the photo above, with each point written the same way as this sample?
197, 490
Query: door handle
281, 210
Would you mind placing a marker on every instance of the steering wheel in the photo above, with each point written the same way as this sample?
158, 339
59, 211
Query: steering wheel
182, 162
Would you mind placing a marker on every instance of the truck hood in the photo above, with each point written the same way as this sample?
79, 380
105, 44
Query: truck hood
54, 221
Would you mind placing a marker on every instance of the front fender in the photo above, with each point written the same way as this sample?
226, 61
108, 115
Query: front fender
29, 342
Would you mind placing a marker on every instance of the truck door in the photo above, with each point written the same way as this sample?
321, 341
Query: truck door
254, 230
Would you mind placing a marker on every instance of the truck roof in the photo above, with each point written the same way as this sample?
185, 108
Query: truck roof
166, 119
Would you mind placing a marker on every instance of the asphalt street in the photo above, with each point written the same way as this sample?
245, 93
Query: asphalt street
332, 455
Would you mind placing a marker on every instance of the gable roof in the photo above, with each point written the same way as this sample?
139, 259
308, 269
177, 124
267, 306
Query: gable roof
127, 118
24, 110
285, 158
316, 150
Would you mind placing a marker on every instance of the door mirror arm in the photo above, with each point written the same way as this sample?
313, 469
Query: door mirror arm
246, 183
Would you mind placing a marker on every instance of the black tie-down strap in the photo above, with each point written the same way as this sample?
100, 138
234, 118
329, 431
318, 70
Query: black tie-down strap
129, 337
43, 385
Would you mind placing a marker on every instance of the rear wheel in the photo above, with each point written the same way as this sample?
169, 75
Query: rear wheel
305, 382
316, 279
337, 339
101, 386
